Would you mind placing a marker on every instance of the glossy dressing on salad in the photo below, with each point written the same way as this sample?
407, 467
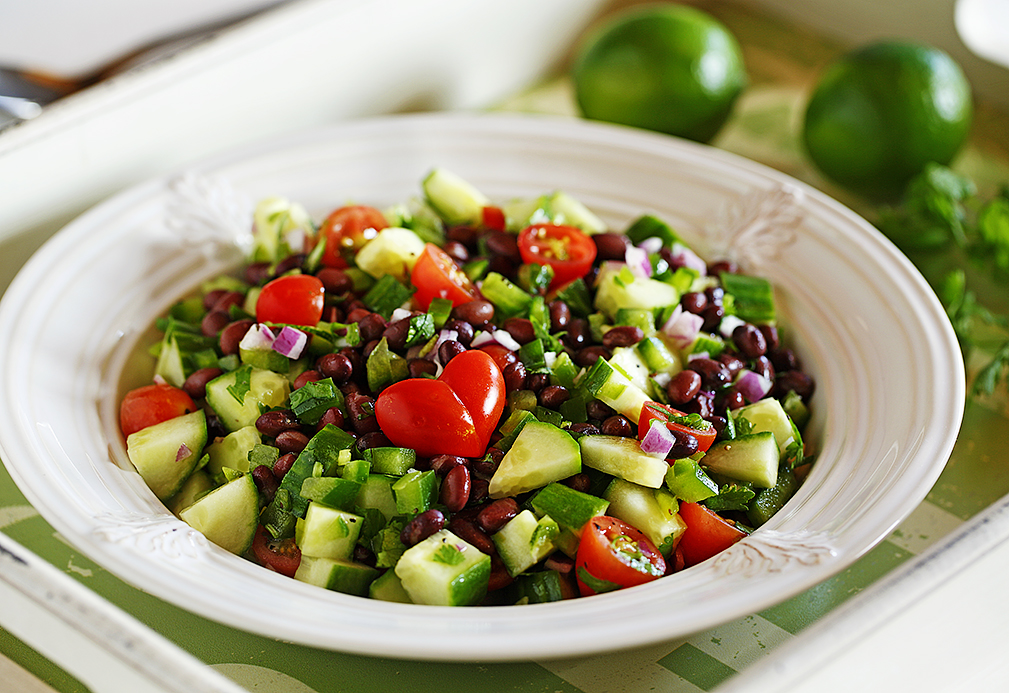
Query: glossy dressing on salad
456, 402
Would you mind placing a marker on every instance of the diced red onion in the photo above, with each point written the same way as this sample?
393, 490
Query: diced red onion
399, 314
684, 256
443, 336
651, 245
658, 441
728, 324
697, 355
683, 327
752, 386
183, 452
295, 239
259, 336
501, 337
637, 260
159, 379
290, 342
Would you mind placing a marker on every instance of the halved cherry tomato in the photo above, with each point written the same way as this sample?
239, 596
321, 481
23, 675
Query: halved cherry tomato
280, 555
296, 299
612, 554
707, 534
494, 218
566, 249
347, 229
435, 275
152, 404
662, 412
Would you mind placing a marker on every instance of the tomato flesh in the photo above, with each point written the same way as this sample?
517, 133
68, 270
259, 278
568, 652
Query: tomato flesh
296, 299
152, 404
564, 248
493, 218
656, 411
612, 555
435, 275
347, 229
706, 535
280, 555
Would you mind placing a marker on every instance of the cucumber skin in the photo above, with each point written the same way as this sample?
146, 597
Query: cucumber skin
217, 516
154, 452
540, 454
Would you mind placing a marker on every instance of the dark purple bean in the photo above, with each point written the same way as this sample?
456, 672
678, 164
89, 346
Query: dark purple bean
521, 329
727, 266
703, 403
479, 489
623, 336
488, 464
578, 333
617, 425
356, 313
514, 376
196, 384
418, 368
504, 244
369, 347
712, 315
371, 326
794, 381
463, 330
496, 515
273, 423
583, 429
291, 262
374, 439
598, 410
362, 554
477, 313
362, 413
713, 373
333, 416
467, 530
589, 355
266, 482
283, 464
553, 396
396, 333
291, 441
763, 366
537, 381
749, 340
213, 322
335, 281
443, 464
684, 445
467, 235
559, 562
784, 360
770, 333
694, 302
719, 423
610, 246
335, 366
305, 378
455, 488
257, 273
231, 335
579, 482
211, 298
560, 315
448, 350
683, 386
422, 526
732, 362
456, 250
732, 399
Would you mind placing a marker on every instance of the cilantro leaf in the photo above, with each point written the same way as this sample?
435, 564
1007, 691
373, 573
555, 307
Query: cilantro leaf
730, 497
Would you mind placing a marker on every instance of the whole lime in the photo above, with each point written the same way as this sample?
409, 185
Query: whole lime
667, 67
882, 112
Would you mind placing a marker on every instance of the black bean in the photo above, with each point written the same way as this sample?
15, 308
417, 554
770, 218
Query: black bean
291, 441
504, 244
579, 482
795, 381
684, 445
213, 322
448, 350
273, 423
578, 333
374, 439
770, 333
464, 331
521, 329
683, 386
196, 384
496, 515
335, 281
456, 250
553, 396
610, 246
694, 302
583, 429
477, 313
589, 355
396, 333
336, 366
713, 373
515, 376
418, 368
443, 464
371, 326
560, 315
622, 336
422, 526
617, 425
749, 340
455, 488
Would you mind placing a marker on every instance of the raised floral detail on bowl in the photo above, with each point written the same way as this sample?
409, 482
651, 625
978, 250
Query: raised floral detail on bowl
203, 209
756, 228
162, 534
768, 551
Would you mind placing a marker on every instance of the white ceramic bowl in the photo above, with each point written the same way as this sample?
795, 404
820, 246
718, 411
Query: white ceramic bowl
890, 383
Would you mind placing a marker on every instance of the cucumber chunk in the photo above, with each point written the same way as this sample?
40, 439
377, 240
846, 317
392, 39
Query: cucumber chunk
232, 451
166, 453
525, 541
196, 486
387, 587
610, 386
540, 454
653, 511
616, 289
623, 458
336, 575
444, 570
228, 515
238, 403
327, 532
571, 509
394, 251
752, 458
768, 415
454, 199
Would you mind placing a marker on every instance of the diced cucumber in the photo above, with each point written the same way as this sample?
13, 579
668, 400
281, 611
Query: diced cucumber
454, 199
687, 481
415, 492
331, 490
166, 453
612, 387
650, 226
228, 515
752, 297
628, 362
541, 453
444, 570
658, 356
198, 484
394, 251
653, 511
169, 365
274, 218
540, 587
623, 458
387, 587
525, 541
616, 289
570, 211
327, 532
376, 493
752, 458
239, 402
522, 212
265, 358
770, 500
512, 426
509, 299
232, 451
571, 509
340, 576
768, 415
643, 318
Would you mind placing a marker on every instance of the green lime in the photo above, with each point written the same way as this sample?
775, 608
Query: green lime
665, 67
882, 112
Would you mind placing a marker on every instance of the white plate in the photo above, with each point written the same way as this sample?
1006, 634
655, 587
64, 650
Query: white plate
890, 383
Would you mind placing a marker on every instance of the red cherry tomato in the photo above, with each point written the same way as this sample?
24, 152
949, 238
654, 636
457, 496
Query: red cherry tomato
566, 249
493, 218
612, 555
296, 299
656, 411
707, 534
152, 404
436, 275
280, 555
347, 229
